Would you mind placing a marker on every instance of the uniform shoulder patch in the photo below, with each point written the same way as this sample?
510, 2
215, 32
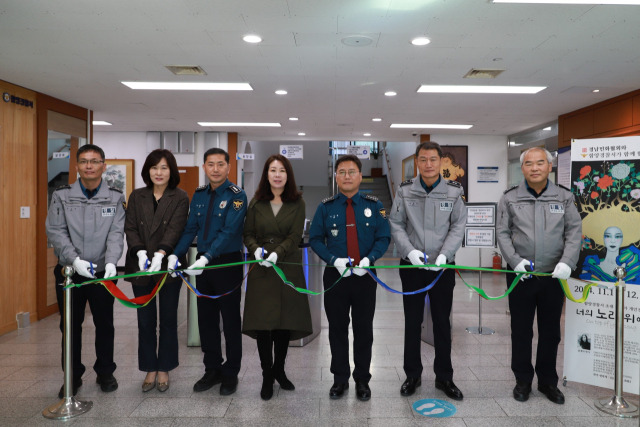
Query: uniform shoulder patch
116, 189
235, 189
512, 188
370, 197
407, 182
383, 213
328, 199
63, 187
202, 187
454, 183
238, 204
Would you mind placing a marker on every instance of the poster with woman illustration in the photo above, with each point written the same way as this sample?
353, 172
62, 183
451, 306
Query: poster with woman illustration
605, 178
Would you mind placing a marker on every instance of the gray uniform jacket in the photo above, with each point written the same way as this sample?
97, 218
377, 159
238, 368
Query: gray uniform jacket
432, 223
546, 230
92, 229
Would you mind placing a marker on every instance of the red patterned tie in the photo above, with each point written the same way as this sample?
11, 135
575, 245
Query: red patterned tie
353, 251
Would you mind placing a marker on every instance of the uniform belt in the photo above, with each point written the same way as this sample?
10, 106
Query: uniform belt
272, 240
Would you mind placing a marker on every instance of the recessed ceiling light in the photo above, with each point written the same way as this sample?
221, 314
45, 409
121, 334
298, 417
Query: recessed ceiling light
100, 123
420, 41
281, 92
366, 134
293, 119
479, 89
301, 134
595, 90
547, 128
377, 119
600, 2
390, 93
230, 124
252, 38
428, 126
187, 86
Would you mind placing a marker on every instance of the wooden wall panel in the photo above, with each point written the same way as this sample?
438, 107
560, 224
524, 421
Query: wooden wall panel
614, 116
636, 110
232, 149
18, 188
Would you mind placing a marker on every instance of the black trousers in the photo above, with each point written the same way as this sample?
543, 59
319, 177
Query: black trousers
154, 356
440, 300
545, 295
355, 294
101, 305
217, 282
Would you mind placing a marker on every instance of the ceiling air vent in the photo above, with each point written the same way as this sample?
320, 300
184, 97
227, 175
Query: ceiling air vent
476, 73
186, 70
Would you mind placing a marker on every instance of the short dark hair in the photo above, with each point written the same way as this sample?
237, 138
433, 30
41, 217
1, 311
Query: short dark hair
290, 193
213, 151
89, 147
429, 145
153, 159
349, 158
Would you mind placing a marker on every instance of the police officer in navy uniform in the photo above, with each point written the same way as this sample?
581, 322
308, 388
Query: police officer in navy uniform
350, 231
538, 228
85, 225
216, 216
427, 223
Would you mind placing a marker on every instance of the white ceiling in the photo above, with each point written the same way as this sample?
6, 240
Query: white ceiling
80, 51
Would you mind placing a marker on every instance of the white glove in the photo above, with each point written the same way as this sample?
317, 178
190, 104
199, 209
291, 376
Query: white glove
562, 271
520, 268
259, 254
142, 260
109, 270
272, 258
84, 268
360, 271
156, 262
201, 262
415, 258
442, 259
341, 265
173, 264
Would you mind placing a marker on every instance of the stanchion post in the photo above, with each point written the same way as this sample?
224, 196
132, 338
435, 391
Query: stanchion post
479, 330
617, 405
69, 406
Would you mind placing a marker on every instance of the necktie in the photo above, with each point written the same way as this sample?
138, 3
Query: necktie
353, 251
207, 222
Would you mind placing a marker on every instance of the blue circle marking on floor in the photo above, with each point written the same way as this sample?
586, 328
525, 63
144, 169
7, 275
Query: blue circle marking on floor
434, 408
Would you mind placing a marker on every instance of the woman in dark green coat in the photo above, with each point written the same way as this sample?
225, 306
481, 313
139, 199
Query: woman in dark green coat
274, 313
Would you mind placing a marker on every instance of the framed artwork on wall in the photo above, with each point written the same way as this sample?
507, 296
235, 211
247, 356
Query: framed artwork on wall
455, 165
119, 174
409, 167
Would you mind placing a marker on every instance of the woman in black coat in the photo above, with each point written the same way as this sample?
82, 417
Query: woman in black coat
156, 217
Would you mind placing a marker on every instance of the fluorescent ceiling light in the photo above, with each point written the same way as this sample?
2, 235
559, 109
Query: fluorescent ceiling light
427, 126
547, 128
479, 89
100, 123
595, 90
366, 134
187, 86
377, 119
293, 119
234, 124
281, 92
603, 2
252, 38
390, 93
301, 134
420, 41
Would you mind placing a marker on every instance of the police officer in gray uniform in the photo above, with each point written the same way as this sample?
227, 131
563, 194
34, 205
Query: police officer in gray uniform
539, 229
85, 225
427, 224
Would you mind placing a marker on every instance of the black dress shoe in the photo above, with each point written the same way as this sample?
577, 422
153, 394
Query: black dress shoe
449, 389
107, 382
208, 380
521, 391
363, 392
409, 386
229, 386
552, 393
284, 382
76, 385
337, 390
266, 392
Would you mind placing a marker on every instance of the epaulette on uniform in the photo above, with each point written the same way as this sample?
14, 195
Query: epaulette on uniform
116, 189
202, 187
407, 182
509, 189
63, 187
370, 197
328, 199
454, 183
235, 189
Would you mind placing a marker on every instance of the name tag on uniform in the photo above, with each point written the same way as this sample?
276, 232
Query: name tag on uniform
556, 208
446, 206
108, 211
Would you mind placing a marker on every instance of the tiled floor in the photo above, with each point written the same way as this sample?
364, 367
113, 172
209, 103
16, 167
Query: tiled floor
30, 377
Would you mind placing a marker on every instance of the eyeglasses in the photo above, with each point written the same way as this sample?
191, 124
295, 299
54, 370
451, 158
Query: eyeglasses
342, 173
92, 162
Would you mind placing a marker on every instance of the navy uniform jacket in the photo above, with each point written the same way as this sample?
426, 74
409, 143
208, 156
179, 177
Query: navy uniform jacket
225, 208
328, 233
